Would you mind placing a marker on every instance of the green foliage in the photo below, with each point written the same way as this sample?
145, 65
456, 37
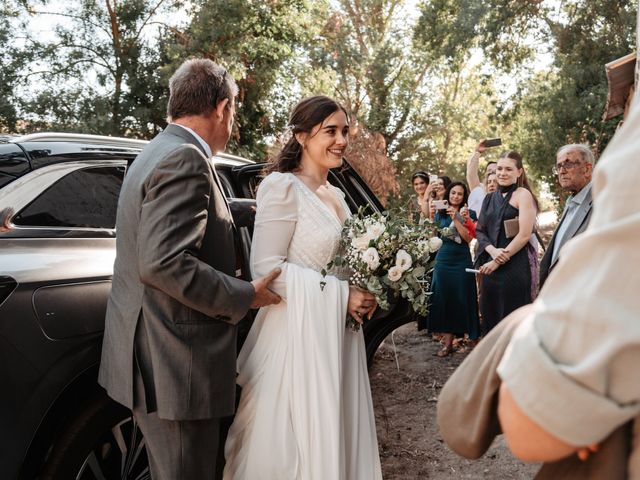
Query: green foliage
98, 72
566, 105
256, 41
425, 79
11, 61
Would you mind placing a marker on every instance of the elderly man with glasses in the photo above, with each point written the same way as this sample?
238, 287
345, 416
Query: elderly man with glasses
574, 166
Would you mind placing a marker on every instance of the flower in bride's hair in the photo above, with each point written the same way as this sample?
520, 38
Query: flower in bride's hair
403, 260
395, 273
371, 258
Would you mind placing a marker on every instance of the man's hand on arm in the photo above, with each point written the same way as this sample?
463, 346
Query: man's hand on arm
263, 295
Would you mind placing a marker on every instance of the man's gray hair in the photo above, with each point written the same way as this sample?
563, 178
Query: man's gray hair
584, 150
197, 87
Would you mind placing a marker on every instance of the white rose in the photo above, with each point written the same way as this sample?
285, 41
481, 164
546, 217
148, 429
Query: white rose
434, 244
403, 260
362, 242
375, 230
395, 273
371, 258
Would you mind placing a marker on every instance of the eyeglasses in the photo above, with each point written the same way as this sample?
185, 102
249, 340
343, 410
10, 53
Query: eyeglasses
567, 166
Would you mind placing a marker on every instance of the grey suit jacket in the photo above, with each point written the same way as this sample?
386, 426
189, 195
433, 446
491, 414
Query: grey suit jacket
174, 293
578, 225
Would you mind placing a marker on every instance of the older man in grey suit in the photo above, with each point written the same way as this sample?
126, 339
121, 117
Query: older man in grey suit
169, 349
574, 167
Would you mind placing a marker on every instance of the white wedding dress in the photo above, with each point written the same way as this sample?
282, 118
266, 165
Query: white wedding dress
305, 411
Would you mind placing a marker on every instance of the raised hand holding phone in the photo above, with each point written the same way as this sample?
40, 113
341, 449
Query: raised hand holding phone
491, 142
464, 211
440, 204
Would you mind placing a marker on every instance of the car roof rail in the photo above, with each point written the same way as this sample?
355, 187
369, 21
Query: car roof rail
107, 141
81, 138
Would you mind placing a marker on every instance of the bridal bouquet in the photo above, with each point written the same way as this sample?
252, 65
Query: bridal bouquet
388, 256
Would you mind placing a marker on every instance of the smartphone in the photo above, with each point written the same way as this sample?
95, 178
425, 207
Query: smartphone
440, 204
433, 178
492, 142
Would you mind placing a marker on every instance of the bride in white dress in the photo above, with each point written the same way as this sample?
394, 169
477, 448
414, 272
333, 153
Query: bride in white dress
305, 411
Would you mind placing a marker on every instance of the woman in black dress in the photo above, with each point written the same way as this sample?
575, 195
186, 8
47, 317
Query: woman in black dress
502, 254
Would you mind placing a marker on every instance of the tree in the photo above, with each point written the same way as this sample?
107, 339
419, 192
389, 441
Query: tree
256, 41
566, 104
410, 81
89, 75
11, 60
368, 46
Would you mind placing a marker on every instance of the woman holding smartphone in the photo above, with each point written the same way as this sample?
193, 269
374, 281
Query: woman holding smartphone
504, 229
422, 188
453, 310
438, 190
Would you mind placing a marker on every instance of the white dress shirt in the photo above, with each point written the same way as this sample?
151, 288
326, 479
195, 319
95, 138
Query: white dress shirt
204, 144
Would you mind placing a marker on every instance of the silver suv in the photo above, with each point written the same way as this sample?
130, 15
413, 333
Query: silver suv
58, 197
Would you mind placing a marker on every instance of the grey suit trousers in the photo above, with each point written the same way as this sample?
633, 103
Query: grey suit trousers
175, 447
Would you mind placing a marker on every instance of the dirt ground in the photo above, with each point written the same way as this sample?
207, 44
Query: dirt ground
405, 387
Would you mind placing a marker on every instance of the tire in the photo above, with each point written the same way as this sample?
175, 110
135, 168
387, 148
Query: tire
102, 442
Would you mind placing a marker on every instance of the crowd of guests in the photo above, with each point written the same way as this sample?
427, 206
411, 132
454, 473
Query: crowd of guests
500, 213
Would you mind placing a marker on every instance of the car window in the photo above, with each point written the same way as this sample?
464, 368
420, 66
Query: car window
84, 198
13, 163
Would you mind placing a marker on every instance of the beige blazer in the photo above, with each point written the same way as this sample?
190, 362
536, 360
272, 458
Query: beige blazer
468, 420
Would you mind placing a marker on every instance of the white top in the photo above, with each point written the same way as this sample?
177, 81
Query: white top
476, 197
572, 366
286, 227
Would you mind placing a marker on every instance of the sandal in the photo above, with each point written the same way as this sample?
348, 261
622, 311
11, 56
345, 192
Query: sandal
444, 351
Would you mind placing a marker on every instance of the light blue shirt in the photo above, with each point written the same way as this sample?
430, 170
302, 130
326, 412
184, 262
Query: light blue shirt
570, 209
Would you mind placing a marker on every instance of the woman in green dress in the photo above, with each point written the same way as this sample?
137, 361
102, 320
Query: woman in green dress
454, 310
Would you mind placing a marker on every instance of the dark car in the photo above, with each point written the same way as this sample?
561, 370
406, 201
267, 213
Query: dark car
58, 197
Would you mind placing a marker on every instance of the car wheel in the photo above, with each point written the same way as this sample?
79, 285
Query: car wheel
378, 332
102, 443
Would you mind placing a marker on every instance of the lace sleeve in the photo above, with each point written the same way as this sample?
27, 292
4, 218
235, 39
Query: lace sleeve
276, 217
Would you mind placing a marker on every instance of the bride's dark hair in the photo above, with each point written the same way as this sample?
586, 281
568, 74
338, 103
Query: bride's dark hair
305, 115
